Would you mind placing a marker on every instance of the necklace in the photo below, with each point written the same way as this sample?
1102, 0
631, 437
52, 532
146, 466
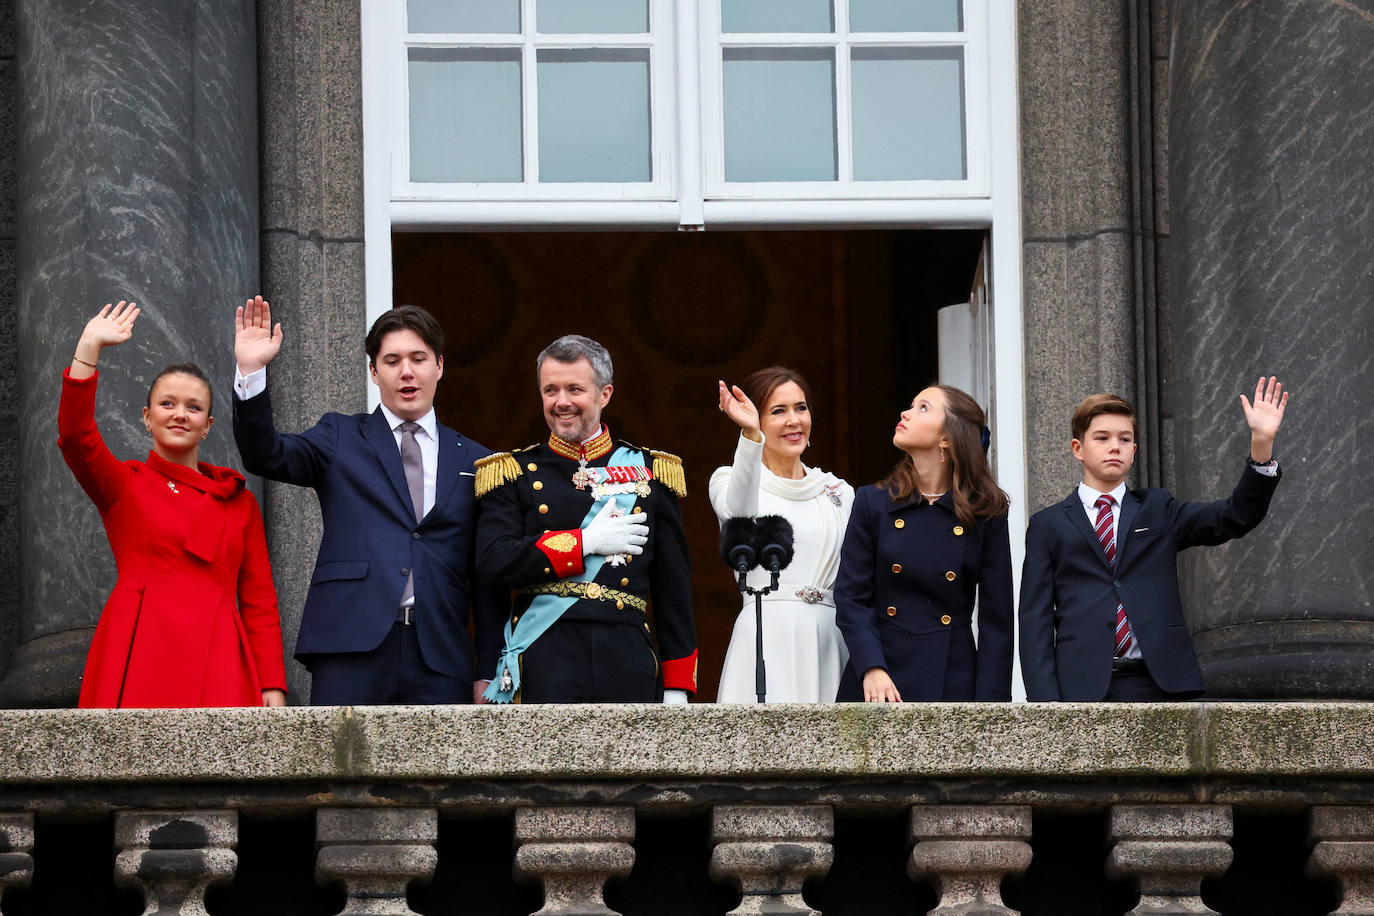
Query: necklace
932, 497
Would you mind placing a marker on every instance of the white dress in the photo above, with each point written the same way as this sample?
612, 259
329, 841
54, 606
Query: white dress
803, 650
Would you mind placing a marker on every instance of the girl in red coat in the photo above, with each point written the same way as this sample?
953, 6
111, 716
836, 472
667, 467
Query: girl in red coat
193, 617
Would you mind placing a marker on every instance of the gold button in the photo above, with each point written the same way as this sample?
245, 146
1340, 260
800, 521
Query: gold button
543, 509
950, 576
899, 523
538, 484
892, 612
532, 466
624, 581
547, 570
620, 605
945, 620
593, 590
638, 510
958, 530
570, 566
896, 567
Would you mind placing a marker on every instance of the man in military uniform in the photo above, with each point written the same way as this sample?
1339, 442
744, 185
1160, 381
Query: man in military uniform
585, 530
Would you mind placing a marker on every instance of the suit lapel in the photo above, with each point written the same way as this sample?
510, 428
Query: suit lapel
1130, 504
1079, 520
383, 442
450, 460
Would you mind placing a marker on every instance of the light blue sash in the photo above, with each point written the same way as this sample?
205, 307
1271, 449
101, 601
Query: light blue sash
545, 610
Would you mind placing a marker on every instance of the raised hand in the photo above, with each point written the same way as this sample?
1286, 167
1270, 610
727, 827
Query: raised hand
1265, 415
256, 341
736, 405
111, 326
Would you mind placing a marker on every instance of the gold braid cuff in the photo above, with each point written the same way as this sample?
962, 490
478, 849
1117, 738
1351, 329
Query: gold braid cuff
594, 590
668, 471
493, 471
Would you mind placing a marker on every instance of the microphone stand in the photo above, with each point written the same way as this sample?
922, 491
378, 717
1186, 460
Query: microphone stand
760, 672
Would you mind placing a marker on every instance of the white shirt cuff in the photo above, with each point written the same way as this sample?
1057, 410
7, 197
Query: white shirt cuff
250, 385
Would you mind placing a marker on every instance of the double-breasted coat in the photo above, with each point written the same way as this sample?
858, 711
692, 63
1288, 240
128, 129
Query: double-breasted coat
910, 572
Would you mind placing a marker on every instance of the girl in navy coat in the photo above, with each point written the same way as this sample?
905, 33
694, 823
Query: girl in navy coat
920, 547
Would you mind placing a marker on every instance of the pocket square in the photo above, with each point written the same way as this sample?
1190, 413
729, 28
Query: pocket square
1138, 530
467, 474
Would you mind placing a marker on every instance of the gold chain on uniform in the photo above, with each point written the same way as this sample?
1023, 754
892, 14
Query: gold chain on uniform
593, 590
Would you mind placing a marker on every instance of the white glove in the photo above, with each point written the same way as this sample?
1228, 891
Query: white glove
608, 535
673, 697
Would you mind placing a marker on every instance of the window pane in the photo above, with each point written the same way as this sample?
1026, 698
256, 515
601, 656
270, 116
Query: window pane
908, 113
594, 115
465, 115
906, 16
779, 114
607, 17
776, 16
463, 16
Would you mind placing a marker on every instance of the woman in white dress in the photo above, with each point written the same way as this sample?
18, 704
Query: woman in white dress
802, 648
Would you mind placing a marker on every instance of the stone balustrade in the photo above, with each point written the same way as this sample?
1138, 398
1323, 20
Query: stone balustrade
604, 807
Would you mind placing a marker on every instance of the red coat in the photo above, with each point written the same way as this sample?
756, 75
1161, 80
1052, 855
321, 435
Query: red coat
192, 620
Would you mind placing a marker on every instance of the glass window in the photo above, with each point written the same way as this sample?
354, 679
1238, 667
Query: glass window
906, 16
465, 115
908, 114
776, 16
594, 115
585, 17
779, 114
500, 16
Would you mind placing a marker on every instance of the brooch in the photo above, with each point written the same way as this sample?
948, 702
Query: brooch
172, 486
834, 493
810, 594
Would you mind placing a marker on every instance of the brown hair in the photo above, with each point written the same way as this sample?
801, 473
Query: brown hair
405, 318
193, 371
975, 490
1095, 405
759, 386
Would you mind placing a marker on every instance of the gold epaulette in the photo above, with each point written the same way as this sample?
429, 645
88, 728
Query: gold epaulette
668, 471
494, 470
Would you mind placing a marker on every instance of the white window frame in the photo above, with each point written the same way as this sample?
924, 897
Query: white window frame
993, 92
388, 19
972, 41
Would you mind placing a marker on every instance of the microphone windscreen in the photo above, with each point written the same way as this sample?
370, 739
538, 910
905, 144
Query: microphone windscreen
774, 539
737, 542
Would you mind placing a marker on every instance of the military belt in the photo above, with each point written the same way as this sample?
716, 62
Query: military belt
592, 590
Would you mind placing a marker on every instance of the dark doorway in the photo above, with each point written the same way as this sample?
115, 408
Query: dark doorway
853, 311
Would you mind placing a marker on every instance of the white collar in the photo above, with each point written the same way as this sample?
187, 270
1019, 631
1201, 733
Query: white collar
429, 422
1089, 495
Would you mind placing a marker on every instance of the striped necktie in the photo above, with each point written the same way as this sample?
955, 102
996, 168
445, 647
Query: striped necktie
1107, 538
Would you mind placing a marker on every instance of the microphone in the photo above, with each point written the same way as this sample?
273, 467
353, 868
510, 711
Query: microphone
737, 544
773, 539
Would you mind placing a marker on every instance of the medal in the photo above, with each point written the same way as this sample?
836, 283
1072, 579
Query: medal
583, 478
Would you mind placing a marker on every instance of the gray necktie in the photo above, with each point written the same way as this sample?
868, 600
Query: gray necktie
415, 481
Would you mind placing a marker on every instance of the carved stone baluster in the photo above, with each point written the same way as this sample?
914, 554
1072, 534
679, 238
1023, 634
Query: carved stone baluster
1344, 835
573, 852
375, 853
16, 851
966, 851
768, 852
173, 856
1168, 850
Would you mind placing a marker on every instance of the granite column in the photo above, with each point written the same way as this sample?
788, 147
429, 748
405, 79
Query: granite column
1271, 135
137, 176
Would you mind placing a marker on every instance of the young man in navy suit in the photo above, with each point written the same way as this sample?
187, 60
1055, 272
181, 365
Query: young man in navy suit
386, 617
1100, 613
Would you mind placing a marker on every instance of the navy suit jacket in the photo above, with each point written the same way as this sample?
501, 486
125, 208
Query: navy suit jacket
372, 539
904, 594
1069, 592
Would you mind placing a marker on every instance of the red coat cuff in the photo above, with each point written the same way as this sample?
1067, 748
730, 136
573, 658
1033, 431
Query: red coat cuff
681, 673
564, 550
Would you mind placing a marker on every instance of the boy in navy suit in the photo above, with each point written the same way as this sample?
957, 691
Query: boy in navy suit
1100, 613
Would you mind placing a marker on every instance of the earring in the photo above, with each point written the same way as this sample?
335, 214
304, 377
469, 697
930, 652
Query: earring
203, 435
808, 443
148, 427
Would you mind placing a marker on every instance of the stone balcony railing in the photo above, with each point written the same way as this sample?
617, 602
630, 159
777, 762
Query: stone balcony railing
946, 808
